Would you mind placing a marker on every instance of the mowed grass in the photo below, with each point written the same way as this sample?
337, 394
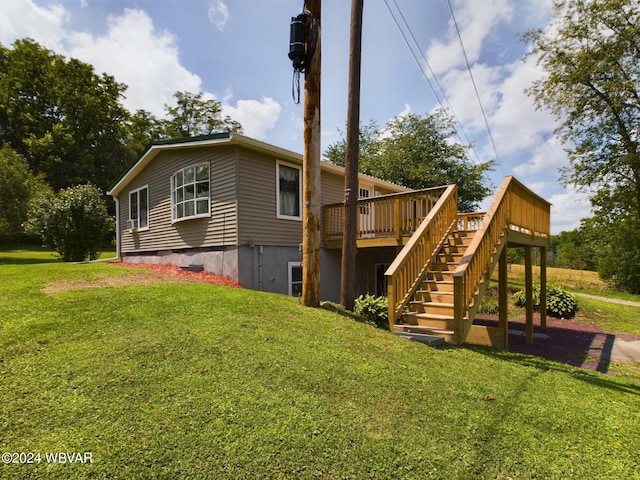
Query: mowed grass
201, 381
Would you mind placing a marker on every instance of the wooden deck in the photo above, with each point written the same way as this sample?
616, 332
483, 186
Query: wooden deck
424, 225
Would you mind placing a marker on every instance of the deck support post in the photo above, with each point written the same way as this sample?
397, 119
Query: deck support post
543, 287
528, 288
503, 298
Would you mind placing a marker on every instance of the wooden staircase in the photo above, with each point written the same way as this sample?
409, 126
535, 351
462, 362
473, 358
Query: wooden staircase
436, 282
431, 311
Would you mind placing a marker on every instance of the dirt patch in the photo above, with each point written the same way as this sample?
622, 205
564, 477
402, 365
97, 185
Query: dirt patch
142, 275
572, 342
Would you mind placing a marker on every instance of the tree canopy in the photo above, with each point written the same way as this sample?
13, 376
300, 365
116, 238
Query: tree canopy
417, 152
70, 125
590, 53
62, 117
591, 56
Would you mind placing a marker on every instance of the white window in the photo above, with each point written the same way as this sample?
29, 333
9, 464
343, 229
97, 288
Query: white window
190, 196
289, 192
295, 279
139, 208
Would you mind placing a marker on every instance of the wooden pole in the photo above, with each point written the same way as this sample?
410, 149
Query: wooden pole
311, 173
503, 298
351, 192
543, 287
528, 291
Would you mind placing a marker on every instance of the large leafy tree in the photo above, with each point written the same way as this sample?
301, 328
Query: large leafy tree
417, 152
18, 187
65, 120
591, 55
192, 115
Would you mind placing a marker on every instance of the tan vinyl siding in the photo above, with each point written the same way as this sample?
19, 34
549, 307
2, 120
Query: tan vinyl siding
258, 221
257, 204
217, 230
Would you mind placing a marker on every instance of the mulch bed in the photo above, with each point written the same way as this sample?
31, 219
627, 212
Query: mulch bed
186, 275
572, 342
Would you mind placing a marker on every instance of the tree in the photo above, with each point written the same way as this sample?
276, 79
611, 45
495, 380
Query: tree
73, 222
417, 152
193, 116
18, 186
574, 249
143, 128
65, 120
590, 53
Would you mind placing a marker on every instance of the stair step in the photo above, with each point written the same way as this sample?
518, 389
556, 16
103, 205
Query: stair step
431, 340
444, 266
429, 320
441, 286
408, 328
434, 296
436, 308
440, 275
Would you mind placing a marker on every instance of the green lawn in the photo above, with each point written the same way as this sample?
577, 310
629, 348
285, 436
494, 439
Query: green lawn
199, 381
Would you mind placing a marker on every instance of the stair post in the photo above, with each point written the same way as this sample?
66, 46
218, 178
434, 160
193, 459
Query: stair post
397, 220
458, 306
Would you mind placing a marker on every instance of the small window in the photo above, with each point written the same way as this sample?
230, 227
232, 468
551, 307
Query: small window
190, 196
289, 193
295, 279
139, 208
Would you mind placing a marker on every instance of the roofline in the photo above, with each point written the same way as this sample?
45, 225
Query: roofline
229, 138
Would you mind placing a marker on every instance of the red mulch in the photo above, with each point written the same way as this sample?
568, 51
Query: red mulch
572, 342
186, 275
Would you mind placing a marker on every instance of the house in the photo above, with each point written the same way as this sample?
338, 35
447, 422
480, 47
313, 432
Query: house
232, 206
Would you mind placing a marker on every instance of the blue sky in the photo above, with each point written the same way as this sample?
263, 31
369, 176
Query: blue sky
236, 51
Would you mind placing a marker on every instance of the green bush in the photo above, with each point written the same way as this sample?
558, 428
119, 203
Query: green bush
372, 309
73, 222
489, 306
560, 303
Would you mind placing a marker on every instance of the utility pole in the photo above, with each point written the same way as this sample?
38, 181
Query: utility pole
311, 173
351, 192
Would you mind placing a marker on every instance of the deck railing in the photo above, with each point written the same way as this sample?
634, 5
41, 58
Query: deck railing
405, 274
396, 215
515, 207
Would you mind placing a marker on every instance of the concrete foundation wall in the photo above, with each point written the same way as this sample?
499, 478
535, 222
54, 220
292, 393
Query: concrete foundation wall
223, 261
266, 268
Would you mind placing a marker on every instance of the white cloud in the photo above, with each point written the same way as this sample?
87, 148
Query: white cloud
256, 117
139, 56
23, 18
568, 209
475, 21
218, 13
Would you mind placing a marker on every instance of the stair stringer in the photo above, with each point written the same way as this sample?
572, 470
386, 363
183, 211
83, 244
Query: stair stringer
472, 309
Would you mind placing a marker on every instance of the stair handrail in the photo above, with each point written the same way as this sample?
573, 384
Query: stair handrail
406, 272
473, 270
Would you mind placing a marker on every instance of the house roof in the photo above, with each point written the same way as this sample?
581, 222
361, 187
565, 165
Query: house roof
229, 138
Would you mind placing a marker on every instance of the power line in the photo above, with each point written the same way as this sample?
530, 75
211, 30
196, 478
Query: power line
426, 77
475, 86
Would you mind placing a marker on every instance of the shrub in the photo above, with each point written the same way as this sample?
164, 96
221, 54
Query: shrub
489, 306
372, 309
73, 222
560, 303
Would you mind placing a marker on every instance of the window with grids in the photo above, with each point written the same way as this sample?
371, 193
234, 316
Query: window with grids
190, 196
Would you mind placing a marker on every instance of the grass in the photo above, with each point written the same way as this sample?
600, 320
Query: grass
200, 381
